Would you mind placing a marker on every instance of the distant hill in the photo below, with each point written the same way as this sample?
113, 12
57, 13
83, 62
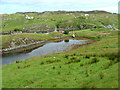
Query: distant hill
50, 21
63, 12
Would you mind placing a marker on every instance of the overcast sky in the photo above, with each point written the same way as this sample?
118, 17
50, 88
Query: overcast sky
13, 6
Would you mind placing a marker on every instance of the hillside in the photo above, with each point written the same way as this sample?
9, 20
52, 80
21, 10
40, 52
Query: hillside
57, 20
91, 66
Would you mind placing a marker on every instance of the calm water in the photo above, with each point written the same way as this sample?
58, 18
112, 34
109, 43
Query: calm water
54, 47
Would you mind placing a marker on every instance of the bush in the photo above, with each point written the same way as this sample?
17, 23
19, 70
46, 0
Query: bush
18, 61
52, 61
53, 67
18, 67
66, 40
42, 63
16, 29
87, 56
101, 75
60, 66
94, 60
59, 73
106, 66
66, 32
66, 56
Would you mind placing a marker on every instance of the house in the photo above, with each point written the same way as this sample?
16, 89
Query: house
73, 35
55, 29
86, 14
61, 31
27, 17
109, 26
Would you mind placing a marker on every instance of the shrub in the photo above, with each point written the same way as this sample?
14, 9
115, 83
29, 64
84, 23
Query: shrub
54, 85
81, 64
94, 60
42, 63
60, 66
26, 66
68, 62
87, 56
101, 75
117, 59
66, 32
66, 56
106, 66
59, 73
66, 40
73, 61
85, 86
52, 61
18, 67
16, 29
75, 79
17, 61
87, 75
73, 58
53, 67
74, 54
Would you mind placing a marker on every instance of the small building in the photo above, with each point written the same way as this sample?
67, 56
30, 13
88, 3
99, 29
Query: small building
27, 17
61, 31
86, 14
109, 26
55, 29
73, 35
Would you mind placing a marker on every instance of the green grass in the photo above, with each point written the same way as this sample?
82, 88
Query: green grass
6, 39
77, 20
90, 66
61, 75
92, 34
0, 77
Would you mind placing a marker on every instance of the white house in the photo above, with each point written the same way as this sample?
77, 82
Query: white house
109, 26
73, 35
55, 29
27, 17
86, 14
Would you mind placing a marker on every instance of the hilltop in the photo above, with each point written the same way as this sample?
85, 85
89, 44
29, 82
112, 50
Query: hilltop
64, 12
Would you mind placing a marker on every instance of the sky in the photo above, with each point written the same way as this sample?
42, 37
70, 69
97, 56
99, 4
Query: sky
13, 6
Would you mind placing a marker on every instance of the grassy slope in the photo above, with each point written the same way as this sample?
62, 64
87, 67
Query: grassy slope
91, 66
6, 39
63, 20
95, 34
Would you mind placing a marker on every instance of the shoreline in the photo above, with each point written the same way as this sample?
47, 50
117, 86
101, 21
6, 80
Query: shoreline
30, 47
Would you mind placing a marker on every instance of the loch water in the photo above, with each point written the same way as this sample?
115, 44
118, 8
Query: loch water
49, 48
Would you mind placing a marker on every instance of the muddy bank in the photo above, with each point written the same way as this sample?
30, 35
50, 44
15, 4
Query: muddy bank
30, 47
